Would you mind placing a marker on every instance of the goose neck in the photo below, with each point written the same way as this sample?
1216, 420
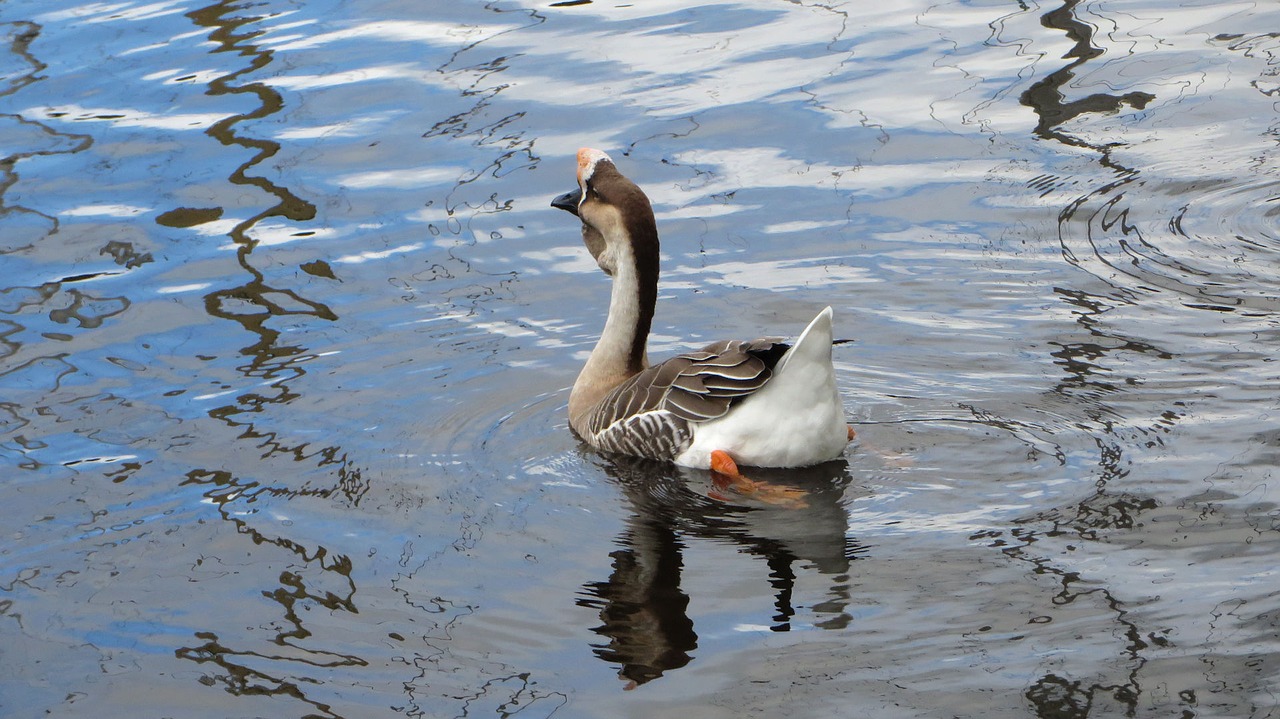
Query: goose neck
620, 353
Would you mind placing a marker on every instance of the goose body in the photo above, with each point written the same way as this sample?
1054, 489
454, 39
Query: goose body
758, 402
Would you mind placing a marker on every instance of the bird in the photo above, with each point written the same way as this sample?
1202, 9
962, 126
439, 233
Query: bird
733, 403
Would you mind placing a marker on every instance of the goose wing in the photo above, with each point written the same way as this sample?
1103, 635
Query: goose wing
650, 414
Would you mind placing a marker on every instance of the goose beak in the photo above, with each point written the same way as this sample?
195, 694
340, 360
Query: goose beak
569, 201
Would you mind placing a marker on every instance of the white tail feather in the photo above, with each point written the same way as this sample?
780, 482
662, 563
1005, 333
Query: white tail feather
814, 346
796, 419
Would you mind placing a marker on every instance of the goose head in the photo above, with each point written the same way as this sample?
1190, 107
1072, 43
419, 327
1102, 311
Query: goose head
617, 219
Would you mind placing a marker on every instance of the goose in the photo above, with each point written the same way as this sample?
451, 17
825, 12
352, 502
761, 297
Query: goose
754, 403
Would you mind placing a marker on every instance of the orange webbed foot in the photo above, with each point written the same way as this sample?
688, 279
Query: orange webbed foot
722, 463
725, 476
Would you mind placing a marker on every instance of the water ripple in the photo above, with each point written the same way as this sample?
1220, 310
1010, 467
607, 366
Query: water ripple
1192, 209
287, 330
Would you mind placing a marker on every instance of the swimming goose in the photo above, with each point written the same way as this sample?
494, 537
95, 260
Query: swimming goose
757, 403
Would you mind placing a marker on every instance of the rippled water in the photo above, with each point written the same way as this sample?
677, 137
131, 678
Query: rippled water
287, 327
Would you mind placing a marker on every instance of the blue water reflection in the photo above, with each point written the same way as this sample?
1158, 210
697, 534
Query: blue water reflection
286, 331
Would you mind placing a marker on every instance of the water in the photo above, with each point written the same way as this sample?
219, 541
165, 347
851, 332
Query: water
287, 327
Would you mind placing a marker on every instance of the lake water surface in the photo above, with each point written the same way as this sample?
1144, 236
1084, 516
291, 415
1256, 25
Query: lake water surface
287, 328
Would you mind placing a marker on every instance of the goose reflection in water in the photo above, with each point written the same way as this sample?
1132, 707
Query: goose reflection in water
644, 609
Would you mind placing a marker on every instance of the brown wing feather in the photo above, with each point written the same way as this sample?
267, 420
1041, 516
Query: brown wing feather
691, 387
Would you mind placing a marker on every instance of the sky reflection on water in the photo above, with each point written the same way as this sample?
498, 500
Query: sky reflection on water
286, 331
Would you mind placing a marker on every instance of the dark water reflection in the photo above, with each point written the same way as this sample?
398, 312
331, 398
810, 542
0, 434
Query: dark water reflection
286, 330
644, 611
1048, 96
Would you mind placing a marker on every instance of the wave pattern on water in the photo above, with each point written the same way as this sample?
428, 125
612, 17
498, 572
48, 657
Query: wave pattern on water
287, 330
1191, 210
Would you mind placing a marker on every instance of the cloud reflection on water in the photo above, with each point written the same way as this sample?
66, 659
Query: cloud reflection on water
322, 421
